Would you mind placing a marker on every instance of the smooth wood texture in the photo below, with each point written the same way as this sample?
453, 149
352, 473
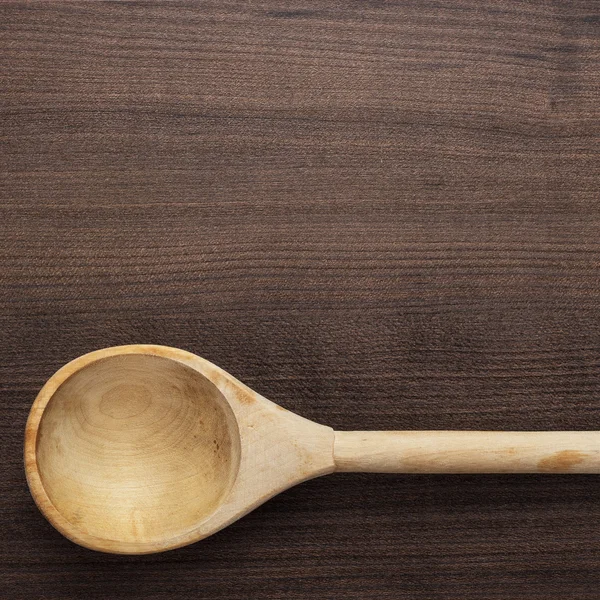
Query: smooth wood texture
142, 448
380, 215
467, 451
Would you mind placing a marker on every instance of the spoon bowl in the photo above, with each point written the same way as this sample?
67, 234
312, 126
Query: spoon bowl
141, 449
137, 447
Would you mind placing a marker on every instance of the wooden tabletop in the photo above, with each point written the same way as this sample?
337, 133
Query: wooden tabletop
381, 215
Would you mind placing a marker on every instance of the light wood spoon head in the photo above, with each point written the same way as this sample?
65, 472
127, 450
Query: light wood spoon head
141, 449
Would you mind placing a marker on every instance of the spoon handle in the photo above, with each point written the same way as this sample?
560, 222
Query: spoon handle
467, 451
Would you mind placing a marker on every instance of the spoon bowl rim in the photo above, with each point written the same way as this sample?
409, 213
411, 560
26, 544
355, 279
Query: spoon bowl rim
32, 471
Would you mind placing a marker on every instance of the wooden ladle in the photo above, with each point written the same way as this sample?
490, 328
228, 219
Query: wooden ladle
140, 449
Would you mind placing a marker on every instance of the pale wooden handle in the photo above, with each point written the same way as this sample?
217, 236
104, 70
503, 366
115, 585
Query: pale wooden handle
467, 451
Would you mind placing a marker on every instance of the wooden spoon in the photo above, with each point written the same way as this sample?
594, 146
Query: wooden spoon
140, 449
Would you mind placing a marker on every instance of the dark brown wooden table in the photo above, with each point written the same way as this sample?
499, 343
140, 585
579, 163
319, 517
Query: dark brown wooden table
378, 214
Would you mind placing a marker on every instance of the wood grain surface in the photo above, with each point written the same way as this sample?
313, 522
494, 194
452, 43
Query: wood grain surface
378, 214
